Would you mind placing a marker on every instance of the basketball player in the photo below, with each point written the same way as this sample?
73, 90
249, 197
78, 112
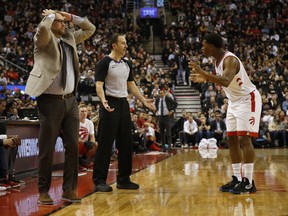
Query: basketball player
243, 114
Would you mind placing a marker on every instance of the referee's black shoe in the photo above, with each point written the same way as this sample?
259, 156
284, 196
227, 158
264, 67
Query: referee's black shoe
127, 185
103, 187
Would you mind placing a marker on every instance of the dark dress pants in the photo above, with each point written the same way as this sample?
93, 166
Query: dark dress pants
165, 125
57, 115
11, 161
188, 138
3, 162
7, 160
114, 125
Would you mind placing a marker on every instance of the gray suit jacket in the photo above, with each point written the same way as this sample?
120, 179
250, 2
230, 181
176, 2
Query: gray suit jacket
47, 61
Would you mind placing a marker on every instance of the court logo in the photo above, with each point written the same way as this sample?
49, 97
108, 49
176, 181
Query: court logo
252, 120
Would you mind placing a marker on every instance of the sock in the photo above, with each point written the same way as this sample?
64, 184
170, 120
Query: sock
237, 171
248, 171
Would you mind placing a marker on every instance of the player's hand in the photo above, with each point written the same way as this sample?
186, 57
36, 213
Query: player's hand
197, 74
197, 78
195, 68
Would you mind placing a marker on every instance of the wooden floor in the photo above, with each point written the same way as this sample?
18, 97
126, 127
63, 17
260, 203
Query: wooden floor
183, 183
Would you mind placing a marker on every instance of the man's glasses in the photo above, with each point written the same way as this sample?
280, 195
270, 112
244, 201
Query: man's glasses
60, 21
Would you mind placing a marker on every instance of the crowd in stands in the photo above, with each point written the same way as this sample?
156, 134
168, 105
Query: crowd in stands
256, 31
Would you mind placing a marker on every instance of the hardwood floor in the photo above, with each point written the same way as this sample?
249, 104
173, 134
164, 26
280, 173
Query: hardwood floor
185, 183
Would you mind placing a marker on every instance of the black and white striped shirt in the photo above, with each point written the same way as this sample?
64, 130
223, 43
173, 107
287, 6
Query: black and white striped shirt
114, 75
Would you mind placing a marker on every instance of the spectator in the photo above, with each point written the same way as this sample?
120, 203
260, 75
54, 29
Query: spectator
264, 138
8, 148
218, 128
203, 128
182, 65
138, 135
190, 133
165, 109
179, 126
150, 132
11, 111
90, 111
277, 132
268, 116
87, 143
210, 92
285, 104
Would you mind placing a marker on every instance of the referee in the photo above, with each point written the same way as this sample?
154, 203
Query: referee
113, 78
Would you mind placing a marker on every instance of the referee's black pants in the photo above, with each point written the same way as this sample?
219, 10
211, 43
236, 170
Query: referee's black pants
114, 125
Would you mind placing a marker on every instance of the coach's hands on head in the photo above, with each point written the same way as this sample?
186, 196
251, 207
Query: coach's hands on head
47, 12
67, 16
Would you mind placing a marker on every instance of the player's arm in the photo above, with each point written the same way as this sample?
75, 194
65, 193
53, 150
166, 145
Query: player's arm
231, 67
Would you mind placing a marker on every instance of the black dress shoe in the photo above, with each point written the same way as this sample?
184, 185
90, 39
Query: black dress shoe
103, 187
127, 185
45, 199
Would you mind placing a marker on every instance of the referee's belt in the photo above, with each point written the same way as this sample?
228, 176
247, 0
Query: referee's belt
116, 98
62, 97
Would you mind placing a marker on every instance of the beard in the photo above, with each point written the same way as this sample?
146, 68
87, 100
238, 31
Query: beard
59, 32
